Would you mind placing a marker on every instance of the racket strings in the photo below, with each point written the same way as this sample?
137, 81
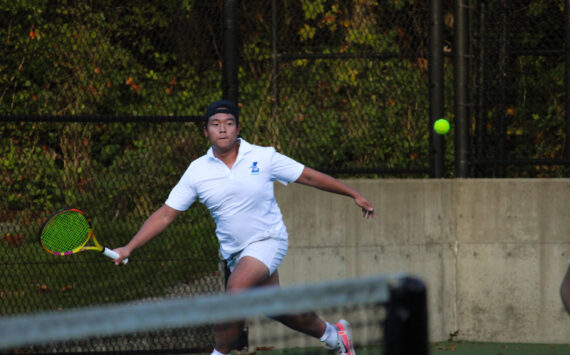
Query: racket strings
65, 232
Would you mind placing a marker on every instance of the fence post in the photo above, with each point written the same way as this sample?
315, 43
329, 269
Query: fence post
230, 51
437, 143
274, 60
501, 125
567, 84
461, 68
480, 137
230, 91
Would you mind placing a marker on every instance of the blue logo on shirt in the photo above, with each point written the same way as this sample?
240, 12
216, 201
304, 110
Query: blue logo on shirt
254, 169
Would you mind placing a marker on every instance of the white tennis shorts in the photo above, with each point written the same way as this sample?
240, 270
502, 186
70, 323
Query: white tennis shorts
269, 251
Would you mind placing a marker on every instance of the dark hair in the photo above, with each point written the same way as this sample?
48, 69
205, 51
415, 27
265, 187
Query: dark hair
221, 106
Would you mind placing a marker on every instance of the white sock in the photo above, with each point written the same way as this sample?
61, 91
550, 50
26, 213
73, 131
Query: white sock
216, 352
330, 337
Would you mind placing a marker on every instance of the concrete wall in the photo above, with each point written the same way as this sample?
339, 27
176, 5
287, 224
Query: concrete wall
492, 252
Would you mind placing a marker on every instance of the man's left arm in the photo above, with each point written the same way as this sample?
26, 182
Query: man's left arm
314, 178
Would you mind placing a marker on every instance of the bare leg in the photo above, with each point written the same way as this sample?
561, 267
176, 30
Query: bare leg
307, 323
250, 272
565, 290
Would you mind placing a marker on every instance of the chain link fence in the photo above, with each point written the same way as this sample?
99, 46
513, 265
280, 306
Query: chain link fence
100, 106
520, 100
344, 84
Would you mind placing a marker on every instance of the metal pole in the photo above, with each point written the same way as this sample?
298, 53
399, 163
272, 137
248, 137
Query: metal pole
230, 92
407, 319
230, 51
436, 106
274, 60
567, 84
461, 53
482, 91
502, 82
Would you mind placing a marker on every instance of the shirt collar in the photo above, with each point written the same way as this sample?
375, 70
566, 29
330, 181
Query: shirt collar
244, 147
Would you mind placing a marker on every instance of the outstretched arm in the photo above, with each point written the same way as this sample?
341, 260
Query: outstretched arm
312, 177
154, 225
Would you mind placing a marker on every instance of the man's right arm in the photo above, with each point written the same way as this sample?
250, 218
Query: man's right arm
154, 225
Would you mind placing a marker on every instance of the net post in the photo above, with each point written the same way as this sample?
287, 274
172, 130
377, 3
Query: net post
406, 324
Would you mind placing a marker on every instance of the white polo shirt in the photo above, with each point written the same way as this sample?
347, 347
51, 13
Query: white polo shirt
240, 199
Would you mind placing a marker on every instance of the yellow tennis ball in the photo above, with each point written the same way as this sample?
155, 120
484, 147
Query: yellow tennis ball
441, 126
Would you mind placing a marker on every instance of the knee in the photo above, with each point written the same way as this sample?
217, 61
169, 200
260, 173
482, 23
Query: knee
233, 287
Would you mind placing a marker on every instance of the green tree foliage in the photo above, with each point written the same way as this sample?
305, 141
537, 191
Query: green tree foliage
360, 101
108, 58
104, 58
354, 108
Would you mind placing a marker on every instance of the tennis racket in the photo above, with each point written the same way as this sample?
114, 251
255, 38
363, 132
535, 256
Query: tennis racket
67, 232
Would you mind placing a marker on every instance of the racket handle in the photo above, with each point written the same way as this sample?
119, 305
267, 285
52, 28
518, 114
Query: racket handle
111, 254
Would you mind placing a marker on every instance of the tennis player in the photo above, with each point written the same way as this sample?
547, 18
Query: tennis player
234, 179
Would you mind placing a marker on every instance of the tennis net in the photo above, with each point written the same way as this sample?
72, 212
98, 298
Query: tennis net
387, 312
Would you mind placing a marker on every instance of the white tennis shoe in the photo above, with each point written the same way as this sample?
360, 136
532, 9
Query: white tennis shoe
344, 344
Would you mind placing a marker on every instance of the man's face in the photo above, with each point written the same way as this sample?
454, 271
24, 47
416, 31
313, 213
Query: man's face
222, 131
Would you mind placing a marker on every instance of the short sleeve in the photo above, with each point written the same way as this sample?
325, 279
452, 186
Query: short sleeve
183, 195
285, 169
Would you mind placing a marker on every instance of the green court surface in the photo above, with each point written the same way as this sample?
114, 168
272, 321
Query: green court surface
449, 348
470, 348
316, 351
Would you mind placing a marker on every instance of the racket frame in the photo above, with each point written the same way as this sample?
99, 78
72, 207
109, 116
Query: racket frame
90, 236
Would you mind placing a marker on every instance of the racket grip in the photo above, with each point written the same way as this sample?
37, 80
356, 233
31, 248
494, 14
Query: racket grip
111, 254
